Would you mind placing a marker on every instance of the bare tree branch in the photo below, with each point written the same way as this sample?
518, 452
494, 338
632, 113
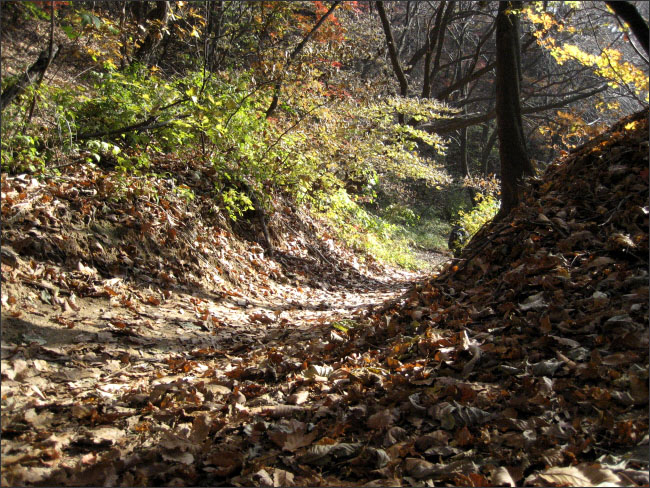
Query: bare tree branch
294, 53
457, 123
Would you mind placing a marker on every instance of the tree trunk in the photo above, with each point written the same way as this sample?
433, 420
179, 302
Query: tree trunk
392, 52
631, 16
294, 53
515, 164
432, 40
440, 43
35, 72
485, 154
158, 18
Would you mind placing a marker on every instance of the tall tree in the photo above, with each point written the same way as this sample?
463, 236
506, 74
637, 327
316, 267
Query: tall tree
631, 16
515, 164
392, 50
158, 19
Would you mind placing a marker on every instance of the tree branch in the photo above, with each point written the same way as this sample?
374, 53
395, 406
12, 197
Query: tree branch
475, 119
294, 53
148, 124
392, 51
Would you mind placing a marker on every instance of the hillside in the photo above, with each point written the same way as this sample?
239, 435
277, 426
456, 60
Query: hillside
207, 363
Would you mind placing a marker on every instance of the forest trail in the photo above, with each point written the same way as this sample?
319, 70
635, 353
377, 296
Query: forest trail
200, 202
79, 370
206, 363
132, 317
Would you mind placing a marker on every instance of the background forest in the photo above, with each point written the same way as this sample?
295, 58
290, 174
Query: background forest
377, 116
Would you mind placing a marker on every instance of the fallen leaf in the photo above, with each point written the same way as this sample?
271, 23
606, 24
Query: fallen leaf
380, 420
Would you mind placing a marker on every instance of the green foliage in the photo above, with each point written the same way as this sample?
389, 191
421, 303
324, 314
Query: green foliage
22, 140
486, 208
185, 192
124, 98
31, 10
367, 232
430, 233
398, 213
236, 203
363, 143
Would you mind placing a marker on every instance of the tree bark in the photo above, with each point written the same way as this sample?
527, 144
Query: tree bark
485, 153
432, 40
515, 164
632, 17
392, 53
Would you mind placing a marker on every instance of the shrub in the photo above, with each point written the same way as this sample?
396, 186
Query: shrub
472, 220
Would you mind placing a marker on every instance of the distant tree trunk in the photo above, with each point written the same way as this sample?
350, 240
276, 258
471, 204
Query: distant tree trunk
123, 38
439, 45
485, 154
214, 13
158, 18
515, 164
431, 42
50, 57
632, 17
464, 164
34, 74
138, 9
392, 53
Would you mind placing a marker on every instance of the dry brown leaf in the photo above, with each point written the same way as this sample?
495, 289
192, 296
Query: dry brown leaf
501, 477
283, 478
297, 440
178, 456
299, 397
380, 420
419, 468
581, 475
261, 318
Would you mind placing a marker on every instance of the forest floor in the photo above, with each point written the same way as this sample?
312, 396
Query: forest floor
67, 357
106, 299
145, 343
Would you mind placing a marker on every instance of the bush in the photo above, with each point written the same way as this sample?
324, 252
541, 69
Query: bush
486, 208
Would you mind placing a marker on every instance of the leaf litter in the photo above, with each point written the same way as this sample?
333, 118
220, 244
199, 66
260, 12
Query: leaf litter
143, 345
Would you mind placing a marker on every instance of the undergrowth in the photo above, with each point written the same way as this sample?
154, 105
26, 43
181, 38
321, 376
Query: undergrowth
329, 153
367, 232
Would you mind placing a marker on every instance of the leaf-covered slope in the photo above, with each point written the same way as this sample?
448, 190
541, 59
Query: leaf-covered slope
533, 349
525, 362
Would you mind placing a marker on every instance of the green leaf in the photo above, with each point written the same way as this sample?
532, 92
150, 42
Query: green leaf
89, 19
70, 32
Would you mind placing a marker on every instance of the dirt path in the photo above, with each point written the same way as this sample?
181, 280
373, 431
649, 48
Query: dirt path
86, 380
